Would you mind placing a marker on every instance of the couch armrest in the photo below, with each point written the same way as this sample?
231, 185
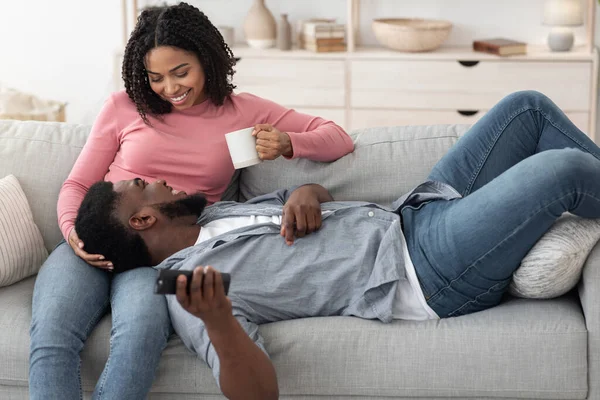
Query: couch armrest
589, 293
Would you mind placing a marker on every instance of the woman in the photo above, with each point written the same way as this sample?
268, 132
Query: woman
170, 122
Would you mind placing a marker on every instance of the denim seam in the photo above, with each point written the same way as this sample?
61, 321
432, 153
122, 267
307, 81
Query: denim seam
491, 147
543, 207
91, 324
547, 118
476, 299
104, 376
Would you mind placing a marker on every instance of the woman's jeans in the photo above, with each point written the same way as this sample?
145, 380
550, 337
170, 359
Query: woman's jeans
69, 299
518, 169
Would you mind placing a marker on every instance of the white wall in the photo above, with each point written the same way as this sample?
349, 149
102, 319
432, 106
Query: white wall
64, 49
60, 50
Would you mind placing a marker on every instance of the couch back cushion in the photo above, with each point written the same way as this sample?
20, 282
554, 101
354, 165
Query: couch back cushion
41, 155
386, 163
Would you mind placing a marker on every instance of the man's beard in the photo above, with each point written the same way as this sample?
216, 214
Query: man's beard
192, 205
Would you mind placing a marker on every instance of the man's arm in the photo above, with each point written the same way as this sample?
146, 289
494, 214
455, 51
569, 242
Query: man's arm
245, 371
313, 190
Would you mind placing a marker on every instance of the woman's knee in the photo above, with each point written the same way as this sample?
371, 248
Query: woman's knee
68, 293
136, 309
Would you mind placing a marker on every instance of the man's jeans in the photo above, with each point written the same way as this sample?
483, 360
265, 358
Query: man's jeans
518, 169
69, 299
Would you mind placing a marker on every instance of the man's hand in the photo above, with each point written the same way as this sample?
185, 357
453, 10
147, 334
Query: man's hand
302, 212
206, 299
271, 142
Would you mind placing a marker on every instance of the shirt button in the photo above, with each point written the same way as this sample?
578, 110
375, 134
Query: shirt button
371, 213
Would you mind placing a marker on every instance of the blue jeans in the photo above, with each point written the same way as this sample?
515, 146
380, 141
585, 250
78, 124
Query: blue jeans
69, 299
518, 169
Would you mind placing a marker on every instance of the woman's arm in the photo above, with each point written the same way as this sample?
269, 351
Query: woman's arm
91, 166
312, 137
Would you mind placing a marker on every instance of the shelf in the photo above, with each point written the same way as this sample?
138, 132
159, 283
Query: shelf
535, 53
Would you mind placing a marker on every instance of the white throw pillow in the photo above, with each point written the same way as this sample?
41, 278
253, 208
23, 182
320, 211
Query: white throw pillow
22, 250
554, 264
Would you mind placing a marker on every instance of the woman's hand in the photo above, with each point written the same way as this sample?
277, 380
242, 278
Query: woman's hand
271, 142
301, 214
95, 260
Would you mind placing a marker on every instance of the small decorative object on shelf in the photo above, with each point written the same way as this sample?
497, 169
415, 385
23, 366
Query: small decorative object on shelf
561, 15
260, 27
324, 37
500, 46
411, 34
284, 36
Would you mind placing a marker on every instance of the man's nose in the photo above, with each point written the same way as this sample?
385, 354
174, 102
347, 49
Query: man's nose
161, 182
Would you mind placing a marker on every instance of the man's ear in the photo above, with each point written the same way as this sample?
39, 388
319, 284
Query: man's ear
143, 219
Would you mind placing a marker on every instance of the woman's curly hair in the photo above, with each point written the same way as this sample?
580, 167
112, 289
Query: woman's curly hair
187, 28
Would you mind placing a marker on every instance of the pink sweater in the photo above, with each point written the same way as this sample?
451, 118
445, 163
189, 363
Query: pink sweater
187, 148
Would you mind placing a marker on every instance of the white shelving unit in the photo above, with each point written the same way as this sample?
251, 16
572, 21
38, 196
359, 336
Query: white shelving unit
372, 86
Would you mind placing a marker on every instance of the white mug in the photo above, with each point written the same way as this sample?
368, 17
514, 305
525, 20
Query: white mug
242, 148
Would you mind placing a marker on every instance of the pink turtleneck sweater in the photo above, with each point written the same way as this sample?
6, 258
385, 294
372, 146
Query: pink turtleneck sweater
187, 148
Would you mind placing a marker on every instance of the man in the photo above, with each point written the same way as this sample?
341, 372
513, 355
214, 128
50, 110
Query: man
506, 182
355, 262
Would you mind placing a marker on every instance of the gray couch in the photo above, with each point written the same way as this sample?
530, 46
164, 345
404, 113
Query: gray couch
521, 349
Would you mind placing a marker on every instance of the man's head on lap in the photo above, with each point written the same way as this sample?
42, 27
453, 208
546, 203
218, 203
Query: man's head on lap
125, 221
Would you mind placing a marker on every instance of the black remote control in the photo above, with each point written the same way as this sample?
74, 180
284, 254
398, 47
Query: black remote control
166, 283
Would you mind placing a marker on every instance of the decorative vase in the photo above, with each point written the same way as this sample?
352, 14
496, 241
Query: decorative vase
259, 26
284, 34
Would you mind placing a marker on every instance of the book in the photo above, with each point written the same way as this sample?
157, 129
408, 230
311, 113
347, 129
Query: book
500, 46
322, 41
326, 34
311, 28
325, 48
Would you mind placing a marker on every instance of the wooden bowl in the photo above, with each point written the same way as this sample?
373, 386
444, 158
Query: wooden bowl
411, 34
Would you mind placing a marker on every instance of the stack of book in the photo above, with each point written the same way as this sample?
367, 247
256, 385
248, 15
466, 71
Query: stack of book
323, 37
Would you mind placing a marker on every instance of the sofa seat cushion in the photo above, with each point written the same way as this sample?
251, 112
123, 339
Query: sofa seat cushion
521, 349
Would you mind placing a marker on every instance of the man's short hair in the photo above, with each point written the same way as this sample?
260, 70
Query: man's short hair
99, 228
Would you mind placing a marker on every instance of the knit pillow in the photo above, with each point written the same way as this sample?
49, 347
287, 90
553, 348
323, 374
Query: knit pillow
553, 265
22, 249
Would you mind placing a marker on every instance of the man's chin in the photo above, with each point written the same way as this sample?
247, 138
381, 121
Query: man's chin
184, 205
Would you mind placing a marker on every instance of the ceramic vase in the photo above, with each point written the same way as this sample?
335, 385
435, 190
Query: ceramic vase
260, 27
284, 34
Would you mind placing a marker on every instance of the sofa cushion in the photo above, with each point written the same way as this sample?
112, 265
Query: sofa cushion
41, 155
520, 349
386, 163
22, 250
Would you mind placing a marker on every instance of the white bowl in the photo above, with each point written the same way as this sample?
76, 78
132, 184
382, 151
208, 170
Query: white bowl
411, 34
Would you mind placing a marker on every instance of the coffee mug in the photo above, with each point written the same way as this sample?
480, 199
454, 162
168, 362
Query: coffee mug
242, 148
